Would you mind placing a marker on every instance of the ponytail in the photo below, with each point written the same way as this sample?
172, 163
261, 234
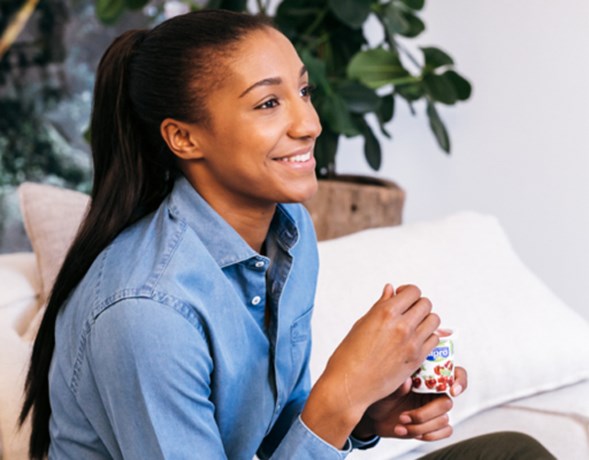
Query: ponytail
126, 187
143, 78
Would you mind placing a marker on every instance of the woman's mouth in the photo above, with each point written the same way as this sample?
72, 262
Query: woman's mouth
300, 158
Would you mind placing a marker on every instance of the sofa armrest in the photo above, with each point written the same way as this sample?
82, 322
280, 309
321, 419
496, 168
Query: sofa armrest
23, 263
20, 286
19, 303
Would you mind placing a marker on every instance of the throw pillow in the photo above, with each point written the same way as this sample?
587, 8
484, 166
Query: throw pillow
51, 217
515, 337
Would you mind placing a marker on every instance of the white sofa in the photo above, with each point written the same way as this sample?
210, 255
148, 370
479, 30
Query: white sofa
525, 350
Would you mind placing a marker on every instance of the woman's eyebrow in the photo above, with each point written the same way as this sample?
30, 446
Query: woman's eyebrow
271, 81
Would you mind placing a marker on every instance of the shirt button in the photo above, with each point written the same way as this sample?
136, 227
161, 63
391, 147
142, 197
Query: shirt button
259, 264
256, 300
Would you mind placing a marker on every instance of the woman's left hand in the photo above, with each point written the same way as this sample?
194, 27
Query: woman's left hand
408, 415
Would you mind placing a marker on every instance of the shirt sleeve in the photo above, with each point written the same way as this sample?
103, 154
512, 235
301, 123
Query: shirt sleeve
302, 444
152, 368
364, 444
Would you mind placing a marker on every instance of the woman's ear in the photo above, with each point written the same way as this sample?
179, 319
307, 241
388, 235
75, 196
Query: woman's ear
181, 139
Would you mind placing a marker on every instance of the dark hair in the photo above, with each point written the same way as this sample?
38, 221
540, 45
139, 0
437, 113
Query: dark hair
143, 78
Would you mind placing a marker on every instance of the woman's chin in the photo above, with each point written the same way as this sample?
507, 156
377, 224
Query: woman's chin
305, 191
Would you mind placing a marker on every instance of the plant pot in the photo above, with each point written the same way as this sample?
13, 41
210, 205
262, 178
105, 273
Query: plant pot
347, 204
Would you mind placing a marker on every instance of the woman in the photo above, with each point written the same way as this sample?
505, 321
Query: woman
179, 325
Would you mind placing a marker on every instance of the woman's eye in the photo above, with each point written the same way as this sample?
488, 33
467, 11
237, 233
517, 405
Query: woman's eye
307, 91
269, 104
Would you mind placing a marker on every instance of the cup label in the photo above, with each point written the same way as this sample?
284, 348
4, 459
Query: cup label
439, 354
436, 373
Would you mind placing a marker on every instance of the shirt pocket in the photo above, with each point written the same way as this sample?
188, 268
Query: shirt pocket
300, 340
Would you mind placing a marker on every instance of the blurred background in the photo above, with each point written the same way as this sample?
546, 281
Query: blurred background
519, 145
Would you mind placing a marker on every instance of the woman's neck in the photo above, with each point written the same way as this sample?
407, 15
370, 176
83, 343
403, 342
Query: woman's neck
252, 226
251, 220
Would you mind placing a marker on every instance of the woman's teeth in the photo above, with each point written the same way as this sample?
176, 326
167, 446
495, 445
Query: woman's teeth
297, 158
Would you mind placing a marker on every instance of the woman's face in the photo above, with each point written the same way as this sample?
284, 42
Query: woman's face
257, 149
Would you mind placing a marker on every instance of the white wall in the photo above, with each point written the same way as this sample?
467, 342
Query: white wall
520, 144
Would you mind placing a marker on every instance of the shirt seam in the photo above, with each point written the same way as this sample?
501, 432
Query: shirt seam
164, 299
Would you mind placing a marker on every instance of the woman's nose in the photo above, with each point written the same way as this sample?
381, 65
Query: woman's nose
305, 121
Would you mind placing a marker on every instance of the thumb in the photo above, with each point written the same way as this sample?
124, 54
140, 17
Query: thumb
405, 388
387, 292
402, 288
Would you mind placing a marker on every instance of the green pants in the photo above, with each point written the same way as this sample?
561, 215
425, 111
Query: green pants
505, 445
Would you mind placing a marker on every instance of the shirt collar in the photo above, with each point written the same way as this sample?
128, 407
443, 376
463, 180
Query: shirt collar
225, 245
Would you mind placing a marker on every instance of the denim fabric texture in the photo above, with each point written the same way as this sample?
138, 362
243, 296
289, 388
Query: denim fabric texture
162, 351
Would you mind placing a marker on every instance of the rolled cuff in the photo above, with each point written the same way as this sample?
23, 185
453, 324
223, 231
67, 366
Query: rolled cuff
364, 444
301, 443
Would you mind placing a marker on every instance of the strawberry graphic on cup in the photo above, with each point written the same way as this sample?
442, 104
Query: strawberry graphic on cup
436, 373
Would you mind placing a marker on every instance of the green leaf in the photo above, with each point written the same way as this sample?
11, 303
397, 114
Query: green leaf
410, 92
351, 12
415, 26
294, 16
414, 4
344, 43
334, 111
438, 128
440, 88
377, 67
358, 98
325, 151
394, 20
231, 5
372, 149
387, 108
300, 9
235, 5
108, 11
385, 113
135, 4
461, 85
87, 134
435, 58
316, 69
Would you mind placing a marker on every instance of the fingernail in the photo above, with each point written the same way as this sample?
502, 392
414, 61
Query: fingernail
456, 390
405, 419
400, 430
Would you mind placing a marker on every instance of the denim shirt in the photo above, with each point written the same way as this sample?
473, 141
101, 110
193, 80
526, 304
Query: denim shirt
162, 351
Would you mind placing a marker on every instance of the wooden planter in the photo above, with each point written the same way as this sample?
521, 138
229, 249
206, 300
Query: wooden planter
348, 204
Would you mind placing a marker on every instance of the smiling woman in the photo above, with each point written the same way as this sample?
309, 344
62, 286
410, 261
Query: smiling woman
256, 149
179, 323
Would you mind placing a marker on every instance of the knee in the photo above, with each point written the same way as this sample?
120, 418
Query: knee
523, 446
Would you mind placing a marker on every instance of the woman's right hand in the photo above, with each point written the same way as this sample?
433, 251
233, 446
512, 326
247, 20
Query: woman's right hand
383, 348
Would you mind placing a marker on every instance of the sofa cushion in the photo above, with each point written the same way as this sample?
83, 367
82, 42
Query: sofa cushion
51, 216
15, 288
515, 337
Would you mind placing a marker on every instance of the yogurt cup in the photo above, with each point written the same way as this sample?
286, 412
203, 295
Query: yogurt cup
436, 373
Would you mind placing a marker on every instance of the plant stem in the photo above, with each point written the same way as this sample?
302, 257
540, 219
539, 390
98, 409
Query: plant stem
318, 41
395, 44
316, 22
16, 26
261, 7
406, 52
